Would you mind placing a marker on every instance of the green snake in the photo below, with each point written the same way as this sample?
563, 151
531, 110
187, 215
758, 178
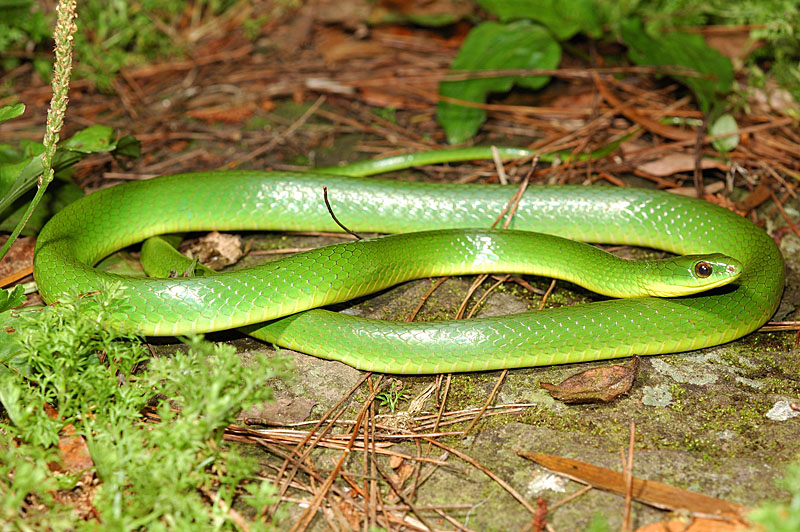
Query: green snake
271, 300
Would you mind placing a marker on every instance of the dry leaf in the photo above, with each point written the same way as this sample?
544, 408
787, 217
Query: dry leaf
215, 250
650, 492
599, 385
404, 472
395, 461
349, 14
451, 8
773, 98
353, 49
709, 189
732, 42
679, 162
698, 524
75, 455
384, 98
74, 451
722, 201
755, 198
350, 513
282, 411
228, 114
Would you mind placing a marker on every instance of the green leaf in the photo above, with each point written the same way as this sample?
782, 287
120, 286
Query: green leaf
121, 263
93, 139
12, 298
11, 398
11, 111
9, 173
19, 177
598, 524
494, 46
15, 4
14, 186
11, 355
128, 146
9, 154
59, 194
722, 125
31, 148
564, 18
682, 49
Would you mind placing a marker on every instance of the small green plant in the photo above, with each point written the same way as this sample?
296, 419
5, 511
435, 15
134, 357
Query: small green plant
32, 488
392, 398
598, 524
22, 25
386, 113
123, 34
156, 476
782, 517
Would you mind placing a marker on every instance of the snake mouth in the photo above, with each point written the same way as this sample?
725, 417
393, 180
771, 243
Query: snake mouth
666, 290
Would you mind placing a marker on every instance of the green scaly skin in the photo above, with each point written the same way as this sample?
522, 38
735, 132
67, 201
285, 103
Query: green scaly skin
101, 223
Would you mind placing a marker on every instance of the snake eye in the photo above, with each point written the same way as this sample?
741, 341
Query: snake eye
703, 269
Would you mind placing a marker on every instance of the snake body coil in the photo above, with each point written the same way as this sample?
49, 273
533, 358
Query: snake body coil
95, 226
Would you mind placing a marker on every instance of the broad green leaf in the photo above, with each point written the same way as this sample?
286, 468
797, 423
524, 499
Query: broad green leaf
14, 186
15, 162
59, 194
121, 263
18, 177
11, 298
9, 154
8, 112
494, 46
722, 125
682, 49
8, 175
93, 139
128, 146
564, 18
31, 148
11, 396
11, 354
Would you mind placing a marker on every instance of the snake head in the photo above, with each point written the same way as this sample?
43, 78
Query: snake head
689, 274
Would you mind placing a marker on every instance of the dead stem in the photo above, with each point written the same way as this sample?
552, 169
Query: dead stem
252, 154
305, 520
398, 490
786, 217
502, 483
627, 467
425, 297
441, 408
282, 489
335, 219
487, 403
